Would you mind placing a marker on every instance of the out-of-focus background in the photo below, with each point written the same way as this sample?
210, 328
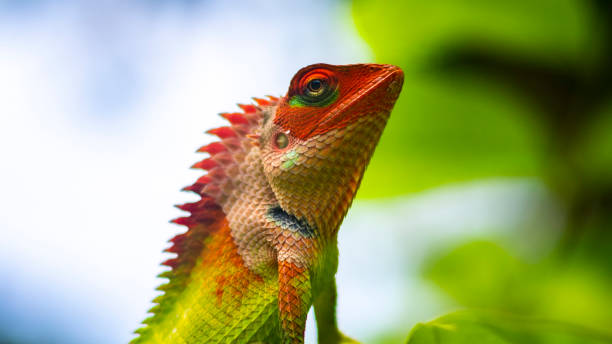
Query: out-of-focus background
490, 191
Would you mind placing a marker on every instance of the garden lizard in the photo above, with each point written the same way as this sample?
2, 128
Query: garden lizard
261, 242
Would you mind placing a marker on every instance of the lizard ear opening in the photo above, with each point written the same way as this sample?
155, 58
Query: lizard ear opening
281, 140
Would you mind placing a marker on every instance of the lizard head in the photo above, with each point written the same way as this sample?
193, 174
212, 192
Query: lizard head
318, 141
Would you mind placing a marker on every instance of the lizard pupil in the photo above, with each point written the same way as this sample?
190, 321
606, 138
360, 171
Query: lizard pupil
315, 87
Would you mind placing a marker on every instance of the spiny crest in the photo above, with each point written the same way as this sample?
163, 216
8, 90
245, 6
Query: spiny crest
206, 215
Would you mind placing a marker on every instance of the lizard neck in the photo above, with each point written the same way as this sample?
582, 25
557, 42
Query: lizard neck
251, 230
319, 186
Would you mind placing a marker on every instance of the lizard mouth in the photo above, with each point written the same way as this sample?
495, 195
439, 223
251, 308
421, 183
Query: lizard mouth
388, 75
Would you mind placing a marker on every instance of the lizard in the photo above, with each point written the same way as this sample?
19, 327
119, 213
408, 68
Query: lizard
260, 248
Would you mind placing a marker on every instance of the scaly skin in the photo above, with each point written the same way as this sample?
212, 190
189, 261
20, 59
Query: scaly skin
261, 244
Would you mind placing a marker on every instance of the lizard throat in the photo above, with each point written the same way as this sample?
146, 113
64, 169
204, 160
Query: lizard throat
290, 222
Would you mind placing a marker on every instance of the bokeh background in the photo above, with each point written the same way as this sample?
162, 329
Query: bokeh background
490, 191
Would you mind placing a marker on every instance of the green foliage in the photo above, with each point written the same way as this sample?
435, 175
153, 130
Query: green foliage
557, 31
496, 328
456, 129
594, 152
453, 124
484, 275
513, 88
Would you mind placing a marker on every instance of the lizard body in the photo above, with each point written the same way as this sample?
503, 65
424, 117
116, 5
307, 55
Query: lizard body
261, 244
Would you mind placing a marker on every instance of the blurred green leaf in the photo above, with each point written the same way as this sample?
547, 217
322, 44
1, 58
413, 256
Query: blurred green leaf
484, 275
452, 124
558, 31
446, 130
493, 328
389, 337
594, 152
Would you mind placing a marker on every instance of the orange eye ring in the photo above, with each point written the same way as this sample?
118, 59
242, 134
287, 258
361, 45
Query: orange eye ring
318, 77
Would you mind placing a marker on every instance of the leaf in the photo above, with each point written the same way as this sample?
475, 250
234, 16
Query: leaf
482, 274
447, 130
594, 152
410, 31
455, 124
496, 328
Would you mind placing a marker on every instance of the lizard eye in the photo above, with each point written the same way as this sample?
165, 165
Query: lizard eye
281, 140
315, 88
